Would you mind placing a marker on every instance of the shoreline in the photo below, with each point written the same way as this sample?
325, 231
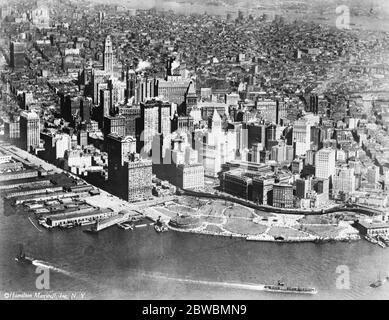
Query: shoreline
266, 238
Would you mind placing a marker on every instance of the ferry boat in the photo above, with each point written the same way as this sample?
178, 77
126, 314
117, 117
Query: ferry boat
282, 288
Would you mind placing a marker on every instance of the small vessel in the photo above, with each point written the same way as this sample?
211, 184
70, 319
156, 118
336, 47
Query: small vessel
126, 226
371, 239
161, 228
381, 244
379, 282
282, 288
22, 258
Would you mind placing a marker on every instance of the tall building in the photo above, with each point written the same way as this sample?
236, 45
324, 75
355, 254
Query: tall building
85, 109
173, 91
325, 163
116, 125
17, 54
302, 136
108, 55
29, 130
270, 136
118, 149
190, 98
269, 110
303, 187
130, 84
150, 124
373, 175
263, 190
55, 145
155, 117
132, 115
40, 17
190, 176
343, 181
105, 105
12, 130
138, 178
283, 195
70, 107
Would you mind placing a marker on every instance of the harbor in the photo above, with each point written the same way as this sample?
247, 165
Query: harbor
57, 198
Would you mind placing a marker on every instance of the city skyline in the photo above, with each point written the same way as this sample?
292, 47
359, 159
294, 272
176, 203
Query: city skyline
134, 134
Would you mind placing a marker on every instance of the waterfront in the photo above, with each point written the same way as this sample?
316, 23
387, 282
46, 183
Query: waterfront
113, 264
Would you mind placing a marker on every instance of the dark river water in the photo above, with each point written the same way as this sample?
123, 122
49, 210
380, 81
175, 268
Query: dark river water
142, 264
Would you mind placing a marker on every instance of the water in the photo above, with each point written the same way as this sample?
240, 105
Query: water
145, 265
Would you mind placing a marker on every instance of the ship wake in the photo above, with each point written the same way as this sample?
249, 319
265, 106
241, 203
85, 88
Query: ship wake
45, 265
240, 286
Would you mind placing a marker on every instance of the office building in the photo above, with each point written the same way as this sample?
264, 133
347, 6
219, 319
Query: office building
17, 55
301, 136
29, 130
325, 160
108, 55
283, 195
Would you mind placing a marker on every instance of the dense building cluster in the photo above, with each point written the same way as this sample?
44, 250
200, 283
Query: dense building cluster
288, 114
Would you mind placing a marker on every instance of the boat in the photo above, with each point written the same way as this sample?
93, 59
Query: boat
371, 239
384, 239
126, 226
22, 258
381, 244
379, 282
161, 228
282, 288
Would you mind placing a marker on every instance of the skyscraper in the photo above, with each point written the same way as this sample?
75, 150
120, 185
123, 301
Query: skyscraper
155, 117
115, 125
302, 136
118, 149
138, 178
150, 124
29, 130
325, 163
108, 55
17, 55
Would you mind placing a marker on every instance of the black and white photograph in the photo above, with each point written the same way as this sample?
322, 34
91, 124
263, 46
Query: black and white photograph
218, 151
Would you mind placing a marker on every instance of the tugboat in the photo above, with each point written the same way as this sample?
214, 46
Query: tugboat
282, 288
22, 258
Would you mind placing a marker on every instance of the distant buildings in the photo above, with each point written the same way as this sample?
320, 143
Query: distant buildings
40, 17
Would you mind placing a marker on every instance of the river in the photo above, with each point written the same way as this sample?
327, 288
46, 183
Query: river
141, 264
